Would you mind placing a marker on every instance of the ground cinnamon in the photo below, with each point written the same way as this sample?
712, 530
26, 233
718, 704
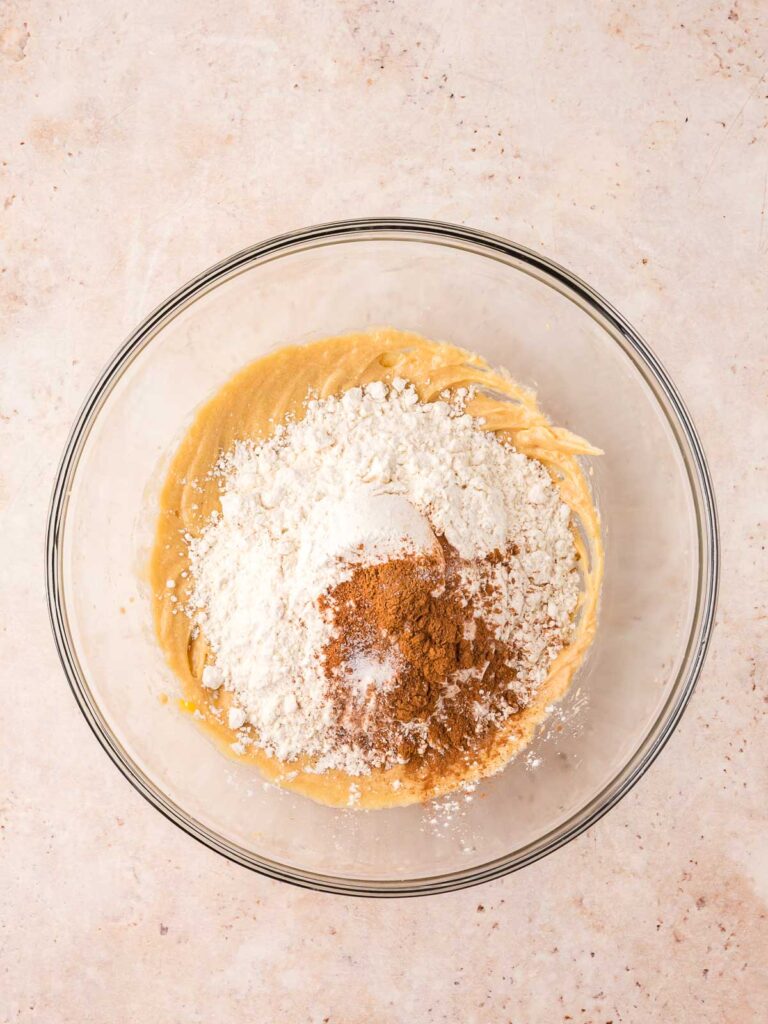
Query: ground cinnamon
451, 680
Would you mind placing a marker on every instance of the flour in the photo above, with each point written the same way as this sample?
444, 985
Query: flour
370, 476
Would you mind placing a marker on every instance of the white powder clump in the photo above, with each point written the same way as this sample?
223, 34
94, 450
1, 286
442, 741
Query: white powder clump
365, 672
361, 479
367, 525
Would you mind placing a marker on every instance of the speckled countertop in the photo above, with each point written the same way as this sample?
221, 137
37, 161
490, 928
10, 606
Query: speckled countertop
140, 143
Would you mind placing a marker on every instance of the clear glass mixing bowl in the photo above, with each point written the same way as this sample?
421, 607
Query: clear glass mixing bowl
594, 375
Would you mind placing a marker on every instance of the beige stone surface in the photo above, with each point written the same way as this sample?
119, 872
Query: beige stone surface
143, 141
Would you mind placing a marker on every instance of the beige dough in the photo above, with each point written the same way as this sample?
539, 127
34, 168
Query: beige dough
251, 405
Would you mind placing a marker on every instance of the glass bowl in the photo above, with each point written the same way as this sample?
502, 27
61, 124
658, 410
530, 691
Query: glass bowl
594, 375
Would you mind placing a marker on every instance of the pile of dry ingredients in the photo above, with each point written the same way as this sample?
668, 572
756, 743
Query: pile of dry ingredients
386, 582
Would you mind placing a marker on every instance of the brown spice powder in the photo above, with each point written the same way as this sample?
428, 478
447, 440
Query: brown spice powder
453, 680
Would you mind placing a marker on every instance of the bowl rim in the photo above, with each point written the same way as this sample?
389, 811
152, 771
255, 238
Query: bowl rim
516, 257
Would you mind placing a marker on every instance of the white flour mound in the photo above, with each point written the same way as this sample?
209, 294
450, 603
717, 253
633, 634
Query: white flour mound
361, 479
